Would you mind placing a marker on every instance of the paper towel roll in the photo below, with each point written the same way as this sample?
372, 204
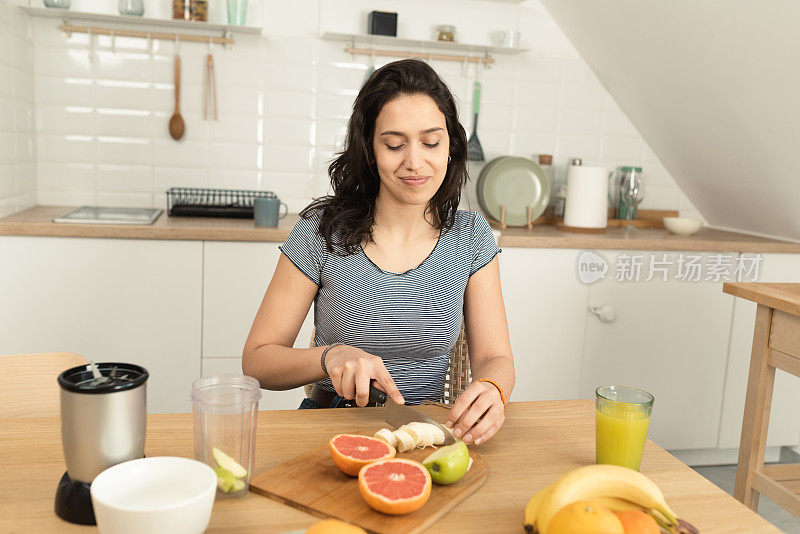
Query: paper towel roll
587, 197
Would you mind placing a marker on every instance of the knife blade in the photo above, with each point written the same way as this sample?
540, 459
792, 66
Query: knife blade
398, 415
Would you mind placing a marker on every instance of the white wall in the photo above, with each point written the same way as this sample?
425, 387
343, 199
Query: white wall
285, 97
17, 157
713, 86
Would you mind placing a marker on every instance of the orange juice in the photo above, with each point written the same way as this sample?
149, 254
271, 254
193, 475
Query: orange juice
621, 426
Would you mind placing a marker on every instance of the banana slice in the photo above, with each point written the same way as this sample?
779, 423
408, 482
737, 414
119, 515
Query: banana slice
405, 442
424, 432
386, 435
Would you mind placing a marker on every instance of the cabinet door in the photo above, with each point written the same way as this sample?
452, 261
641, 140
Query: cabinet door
669, 338
545, 306
784, 424
236, 275
124, 300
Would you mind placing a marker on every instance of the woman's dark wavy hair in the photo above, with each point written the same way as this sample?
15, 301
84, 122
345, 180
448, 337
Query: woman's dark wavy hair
347, 216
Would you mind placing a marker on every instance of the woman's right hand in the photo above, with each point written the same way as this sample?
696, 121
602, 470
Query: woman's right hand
352, 370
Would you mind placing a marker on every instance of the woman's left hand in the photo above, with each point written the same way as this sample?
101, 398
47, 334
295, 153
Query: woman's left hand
477, 414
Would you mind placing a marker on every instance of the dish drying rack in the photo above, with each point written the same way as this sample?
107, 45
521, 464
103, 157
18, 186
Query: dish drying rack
203, 202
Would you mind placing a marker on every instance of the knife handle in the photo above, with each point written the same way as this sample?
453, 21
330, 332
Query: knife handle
377, 396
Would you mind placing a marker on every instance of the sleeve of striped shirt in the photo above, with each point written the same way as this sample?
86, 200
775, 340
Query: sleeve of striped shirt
305, 247
484, 245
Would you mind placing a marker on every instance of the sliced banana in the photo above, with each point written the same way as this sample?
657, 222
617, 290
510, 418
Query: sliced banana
424, 432
405, 442
386, 435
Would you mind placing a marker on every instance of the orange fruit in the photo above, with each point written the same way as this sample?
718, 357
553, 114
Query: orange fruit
351, 452
585, 517
395, 486
638, 522
334, 526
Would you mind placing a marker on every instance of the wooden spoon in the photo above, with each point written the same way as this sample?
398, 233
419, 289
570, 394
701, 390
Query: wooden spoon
176, 125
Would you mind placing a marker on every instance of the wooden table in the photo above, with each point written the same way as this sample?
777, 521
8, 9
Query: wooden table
776, 345
539, 442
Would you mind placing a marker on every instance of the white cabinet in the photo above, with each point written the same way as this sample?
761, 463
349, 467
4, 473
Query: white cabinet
235, 278
669, 338
545, 306
124, 300
784, 425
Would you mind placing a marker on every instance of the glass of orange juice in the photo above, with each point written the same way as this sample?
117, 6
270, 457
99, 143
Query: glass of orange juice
623, 415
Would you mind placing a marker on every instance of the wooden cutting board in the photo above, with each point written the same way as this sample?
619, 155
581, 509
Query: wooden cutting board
312, 483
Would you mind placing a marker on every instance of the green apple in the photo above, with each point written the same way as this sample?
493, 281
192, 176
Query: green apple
448, 464
225, 461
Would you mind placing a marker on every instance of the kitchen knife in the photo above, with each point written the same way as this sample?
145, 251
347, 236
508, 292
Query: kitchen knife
398, 415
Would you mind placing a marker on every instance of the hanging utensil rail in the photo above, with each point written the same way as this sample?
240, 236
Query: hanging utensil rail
226, 39
486, 59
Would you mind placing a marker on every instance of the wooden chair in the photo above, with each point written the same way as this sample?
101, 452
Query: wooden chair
458, 375
29, 387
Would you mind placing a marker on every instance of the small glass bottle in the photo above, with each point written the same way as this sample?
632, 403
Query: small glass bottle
131, 7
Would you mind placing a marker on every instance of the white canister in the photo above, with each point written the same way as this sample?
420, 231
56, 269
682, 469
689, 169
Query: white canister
587, 197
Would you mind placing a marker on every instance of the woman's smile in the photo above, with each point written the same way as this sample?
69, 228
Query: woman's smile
415, 181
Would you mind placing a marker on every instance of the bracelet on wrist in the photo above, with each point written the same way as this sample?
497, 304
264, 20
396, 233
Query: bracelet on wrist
325, 353
495, 384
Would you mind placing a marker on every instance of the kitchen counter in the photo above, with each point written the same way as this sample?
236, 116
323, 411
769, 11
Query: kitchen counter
539, 442
37, 221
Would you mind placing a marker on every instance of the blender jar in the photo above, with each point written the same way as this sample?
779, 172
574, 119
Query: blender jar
225, 414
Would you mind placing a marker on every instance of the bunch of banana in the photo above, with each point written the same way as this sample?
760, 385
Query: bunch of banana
616, 488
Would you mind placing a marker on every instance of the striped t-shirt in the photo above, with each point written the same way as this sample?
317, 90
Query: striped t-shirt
412, 319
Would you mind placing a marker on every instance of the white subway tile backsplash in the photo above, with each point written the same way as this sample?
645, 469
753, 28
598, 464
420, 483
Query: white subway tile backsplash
282, 131
234, 156
623, 148
66, 148
65, 120
64, 91
236, 128
124, 150
97, 123
169, 153
66, 176
130, 178
537, 94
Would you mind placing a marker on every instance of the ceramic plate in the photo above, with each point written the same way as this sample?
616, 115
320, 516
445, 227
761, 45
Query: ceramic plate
516, 183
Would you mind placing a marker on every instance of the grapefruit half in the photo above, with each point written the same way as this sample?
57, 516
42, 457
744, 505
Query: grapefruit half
351, 452
395, 486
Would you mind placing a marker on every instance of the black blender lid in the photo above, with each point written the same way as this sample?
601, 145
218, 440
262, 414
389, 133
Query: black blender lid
121, 377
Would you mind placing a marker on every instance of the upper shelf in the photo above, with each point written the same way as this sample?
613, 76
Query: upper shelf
175, 24
386, 40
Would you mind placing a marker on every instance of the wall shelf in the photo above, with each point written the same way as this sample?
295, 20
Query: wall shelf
69, 16
384, 40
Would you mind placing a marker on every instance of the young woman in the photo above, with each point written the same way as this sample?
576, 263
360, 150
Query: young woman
392, 266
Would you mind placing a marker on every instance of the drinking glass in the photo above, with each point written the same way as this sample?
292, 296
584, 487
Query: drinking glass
631, 194
237, 12
623, 415
131, 7
225, 414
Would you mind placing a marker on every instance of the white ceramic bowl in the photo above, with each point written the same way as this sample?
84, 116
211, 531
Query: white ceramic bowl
154, 495
682, 225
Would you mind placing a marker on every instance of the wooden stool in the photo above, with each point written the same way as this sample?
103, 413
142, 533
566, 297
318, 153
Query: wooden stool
776, 345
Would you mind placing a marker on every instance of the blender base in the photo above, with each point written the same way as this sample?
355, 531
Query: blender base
74, 502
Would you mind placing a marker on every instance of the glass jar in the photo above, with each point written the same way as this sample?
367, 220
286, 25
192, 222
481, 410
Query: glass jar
446, 32
181, 10
225, 409
62, 4
131, 7
199, 10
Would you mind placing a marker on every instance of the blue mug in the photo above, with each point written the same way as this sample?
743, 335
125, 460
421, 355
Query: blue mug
266, 210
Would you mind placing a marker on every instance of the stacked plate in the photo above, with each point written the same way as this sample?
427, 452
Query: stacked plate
516, 183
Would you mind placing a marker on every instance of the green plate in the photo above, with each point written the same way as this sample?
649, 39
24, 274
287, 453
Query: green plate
517, 183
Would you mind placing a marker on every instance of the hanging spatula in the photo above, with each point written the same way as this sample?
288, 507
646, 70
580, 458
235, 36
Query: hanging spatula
474, 148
